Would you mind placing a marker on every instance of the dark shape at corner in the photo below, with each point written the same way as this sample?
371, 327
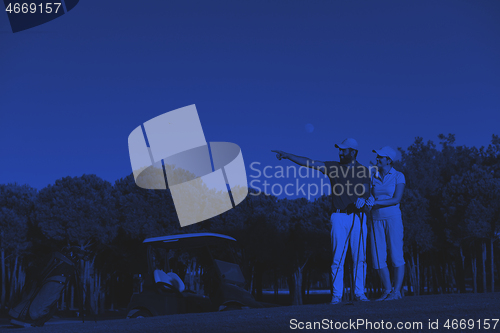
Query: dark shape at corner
43, 12
70, 4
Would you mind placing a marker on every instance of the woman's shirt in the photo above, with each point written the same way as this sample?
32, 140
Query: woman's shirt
384, 189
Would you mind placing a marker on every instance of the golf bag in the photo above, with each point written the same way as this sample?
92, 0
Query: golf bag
39, 300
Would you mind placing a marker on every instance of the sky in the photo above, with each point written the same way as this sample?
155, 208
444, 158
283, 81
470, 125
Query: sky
260, 73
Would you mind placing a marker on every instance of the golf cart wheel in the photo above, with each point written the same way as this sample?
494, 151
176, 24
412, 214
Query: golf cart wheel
141, 314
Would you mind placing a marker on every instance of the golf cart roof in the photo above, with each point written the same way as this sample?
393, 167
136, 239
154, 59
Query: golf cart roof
187, 240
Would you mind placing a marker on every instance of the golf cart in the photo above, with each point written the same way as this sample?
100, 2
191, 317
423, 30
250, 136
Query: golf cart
189, 273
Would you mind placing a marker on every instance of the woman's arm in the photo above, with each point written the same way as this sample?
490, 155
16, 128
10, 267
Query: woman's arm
396, 198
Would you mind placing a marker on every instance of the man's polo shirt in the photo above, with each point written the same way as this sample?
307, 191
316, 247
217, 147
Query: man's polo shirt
348, 183
384, 189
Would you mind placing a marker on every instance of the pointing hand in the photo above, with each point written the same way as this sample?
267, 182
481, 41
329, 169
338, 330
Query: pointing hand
279, 154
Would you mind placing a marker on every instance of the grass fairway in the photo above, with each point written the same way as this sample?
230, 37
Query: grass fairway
410, 310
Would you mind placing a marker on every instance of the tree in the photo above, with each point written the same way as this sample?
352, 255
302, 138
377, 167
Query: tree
305, 234
143, 213
492, 162
418, 234
16, 204
79, 211
420, 165
12, 237
255, 223
471, 207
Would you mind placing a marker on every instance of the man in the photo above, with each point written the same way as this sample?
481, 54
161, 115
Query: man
350, 185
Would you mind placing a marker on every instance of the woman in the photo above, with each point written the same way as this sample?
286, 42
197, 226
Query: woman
387, 226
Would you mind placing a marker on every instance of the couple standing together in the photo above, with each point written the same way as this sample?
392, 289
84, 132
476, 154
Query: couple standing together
360, 195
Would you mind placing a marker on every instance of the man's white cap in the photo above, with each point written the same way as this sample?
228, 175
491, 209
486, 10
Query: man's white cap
386, 151
348, 143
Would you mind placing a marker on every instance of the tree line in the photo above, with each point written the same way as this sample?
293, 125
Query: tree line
451, 216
